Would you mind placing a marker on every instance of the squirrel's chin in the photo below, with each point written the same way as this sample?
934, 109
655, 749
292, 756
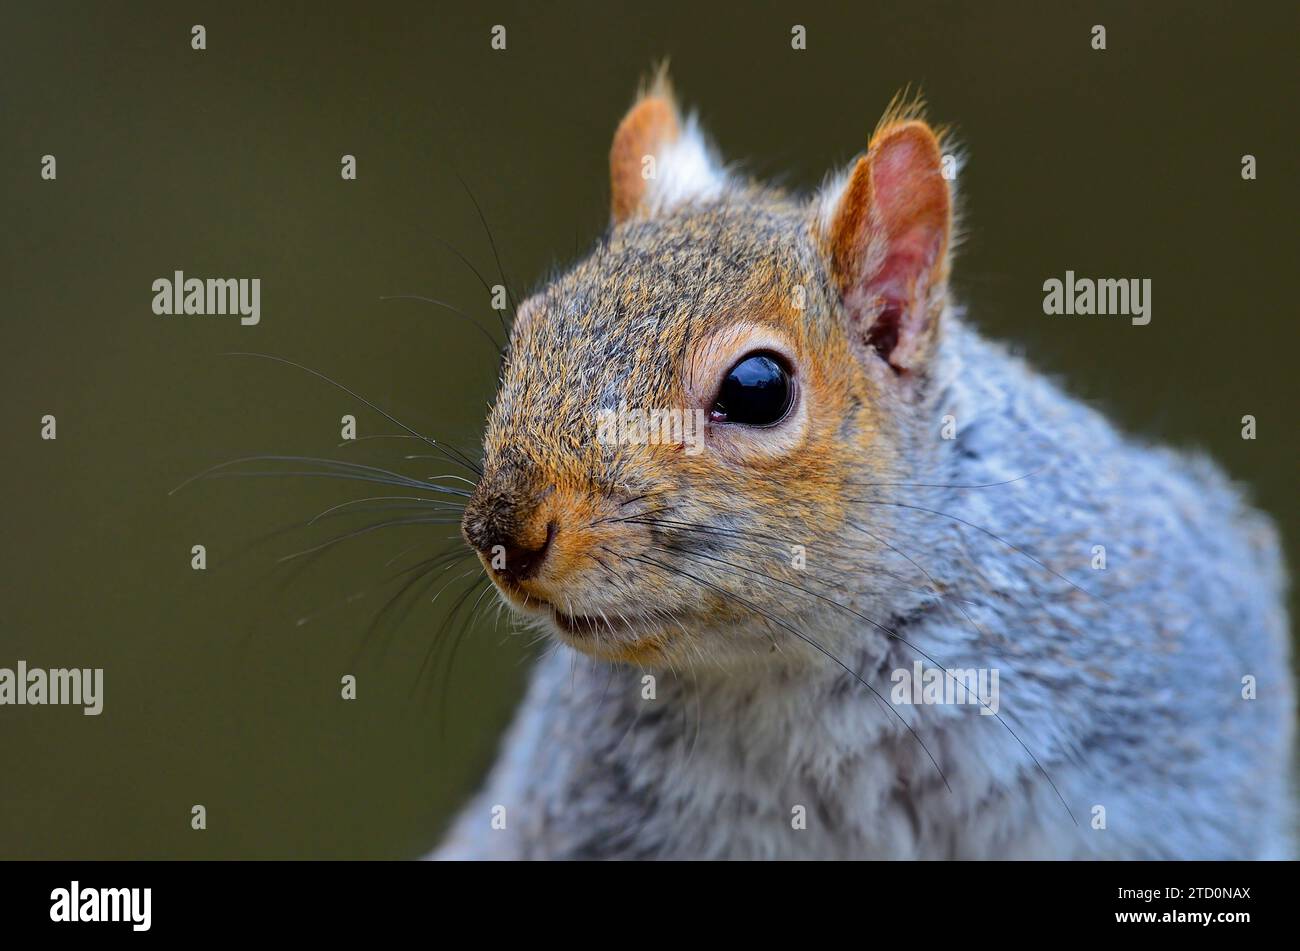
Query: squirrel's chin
611, 637
606, 635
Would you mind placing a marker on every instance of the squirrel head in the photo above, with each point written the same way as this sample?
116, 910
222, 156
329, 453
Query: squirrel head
682, 414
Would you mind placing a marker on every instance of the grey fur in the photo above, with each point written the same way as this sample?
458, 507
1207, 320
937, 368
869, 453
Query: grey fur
1125, 684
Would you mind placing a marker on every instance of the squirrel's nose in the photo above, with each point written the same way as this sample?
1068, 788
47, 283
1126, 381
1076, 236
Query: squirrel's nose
514, 547
520, 562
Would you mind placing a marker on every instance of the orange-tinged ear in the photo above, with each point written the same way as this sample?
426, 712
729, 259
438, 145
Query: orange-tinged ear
887, 232
659, 161
649, 125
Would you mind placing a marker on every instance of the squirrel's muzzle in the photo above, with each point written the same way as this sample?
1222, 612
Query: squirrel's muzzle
509, 527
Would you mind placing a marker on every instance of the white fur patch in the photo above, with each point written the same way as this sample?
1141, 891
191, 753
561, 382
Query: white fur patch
829, 198
687, 170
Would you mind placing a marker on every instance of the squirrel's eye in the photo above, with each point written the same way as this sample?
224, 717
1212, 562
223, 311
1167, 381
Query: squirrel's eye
757, 391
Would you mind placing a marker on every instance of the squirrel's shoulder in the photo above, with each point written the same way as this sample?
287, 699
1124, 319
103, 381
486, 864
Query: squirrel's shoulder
1030, 421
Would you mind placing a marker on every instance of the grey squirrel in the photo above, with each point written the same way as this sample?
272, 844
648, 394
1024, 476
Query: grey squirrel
730, 627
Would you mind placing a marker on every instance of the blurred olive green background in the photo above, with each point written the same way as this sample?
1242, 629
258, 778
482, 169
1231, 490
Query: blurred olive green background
226, 163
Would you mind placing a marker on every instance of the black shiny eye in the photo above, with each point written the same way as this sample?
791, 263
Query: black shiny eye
758, 391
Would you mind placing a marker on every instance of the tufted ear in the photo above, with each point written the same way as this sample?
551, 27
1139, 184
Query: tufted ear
659, 161
886, 225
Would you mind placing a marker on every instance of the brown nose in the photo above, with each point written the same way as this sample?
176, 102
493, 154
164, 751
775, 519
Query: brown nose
514, 543
521, 562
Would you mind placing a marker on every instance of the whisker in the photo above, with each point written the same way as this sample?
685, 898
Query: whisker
902, 640
402, 484
357, 439
505, 328
444, 475
993, 535
365, 592
777, 549
447, 450
436, 642
350, 467
709, 529
429, 576
505, 281
366, 530
450, 665
934, 584
637, 499
812, 643
497, 348
384, 498
935, 485
400, 555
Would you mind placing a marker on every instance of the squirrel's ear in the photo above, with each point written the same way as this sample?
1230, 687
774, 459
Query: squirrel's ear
658, 161
885, 226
